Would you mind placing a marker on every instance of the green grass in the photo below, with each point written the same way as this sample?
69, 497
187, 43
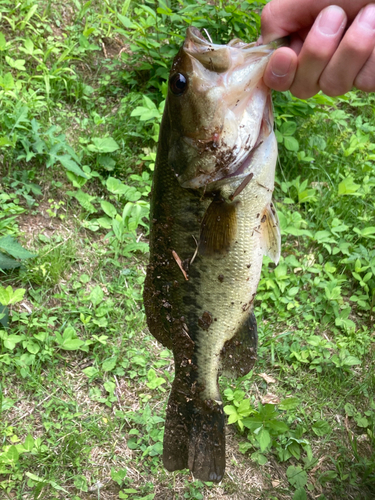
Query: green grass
83, 385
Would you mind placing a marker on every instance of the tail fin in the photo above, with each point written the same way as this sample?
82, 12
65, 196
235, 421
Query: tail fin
194, 435
207, 441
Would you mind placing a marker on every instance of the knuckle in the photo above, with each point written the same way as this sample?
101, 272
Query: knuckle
358, 45
315, 52
266, 14
333, 88
365, 81
303, 92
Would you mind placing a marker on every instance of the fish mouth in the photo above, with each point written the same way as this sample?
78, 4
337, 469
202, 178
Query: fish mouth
212, 54
242, 109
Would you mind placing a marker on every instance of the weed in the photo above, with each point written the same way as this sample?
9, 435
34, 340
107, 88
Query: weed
82, 384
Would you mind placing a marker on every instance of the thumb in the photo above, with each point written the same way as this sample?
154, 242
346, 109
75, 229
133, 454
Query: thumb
283, 17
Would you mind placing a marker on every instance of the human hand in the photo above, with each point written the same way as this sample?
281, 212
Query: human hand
322, 55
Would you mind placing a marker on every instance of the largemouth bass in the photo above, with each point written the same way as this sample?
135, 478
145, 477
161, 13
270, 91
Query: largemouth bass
212, 220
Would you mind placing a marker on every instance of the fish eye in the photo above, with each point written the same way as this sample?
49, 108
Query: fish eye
178, 83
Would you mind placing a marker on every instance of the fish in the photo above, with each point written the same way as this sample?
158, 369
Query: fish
212, 220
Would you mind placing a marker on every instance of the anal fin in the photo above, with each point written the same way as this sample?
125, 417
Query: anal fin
238, 355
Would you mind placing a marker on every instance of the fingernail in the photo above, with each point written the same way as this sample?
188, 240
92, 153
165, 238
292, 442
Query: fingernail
280, 65
330, 20
366, 17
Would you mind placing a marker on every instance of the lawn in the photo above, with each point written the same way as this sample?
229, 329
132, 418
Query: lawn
83, 384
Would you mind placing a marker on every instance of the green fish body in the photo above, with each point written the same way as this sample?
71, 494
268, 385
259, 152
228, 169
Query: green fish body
212, 220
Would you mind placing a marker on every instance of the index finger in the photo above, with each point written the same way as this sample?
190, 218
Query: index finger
283, 17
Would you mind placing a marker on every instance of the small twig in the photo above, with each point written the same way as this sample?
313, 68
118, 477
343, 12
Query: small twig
179, 263
121, 51
54, 248
35, 407
196, 250
118, 385
104, 51
28, 309
118, 392
208, 35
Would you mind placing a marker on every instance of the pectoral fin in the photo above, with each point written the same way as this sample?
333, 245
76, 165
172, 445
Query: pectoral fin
219, 228
270, 233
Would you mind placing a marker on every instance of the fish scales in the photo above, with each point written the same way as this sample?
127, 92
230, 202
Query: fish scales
212, 220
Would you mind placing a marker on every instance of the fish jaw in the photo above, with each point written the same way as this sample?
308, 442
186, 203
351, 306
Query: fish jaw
221, 113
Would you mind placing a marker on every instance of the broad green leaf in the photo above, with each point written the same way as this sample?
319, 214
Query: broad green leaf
295, 450
110, 387
289, 403
119, 476
291, 144
32, 347
288, 128
351, 361
367, 231
7, 262
348, 186
76, 180
292, 292
91, 372
327, 476
4, 140
16, 63
296, 476
8, 82
96, 295
10, 456
115, 186
141, 246
71, 344
104, 222
29, 15
108, 208
68, 163
69, 333
361, 421
29, 46
300, 494
118, 229
321, 428
350, 409
4, 316
9, 297
11, 340
35, 478
85, 200
259, 458
2, 42
278, 426
12, 247
263, 438
103, 145
109, 364
125, 21
29, 443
